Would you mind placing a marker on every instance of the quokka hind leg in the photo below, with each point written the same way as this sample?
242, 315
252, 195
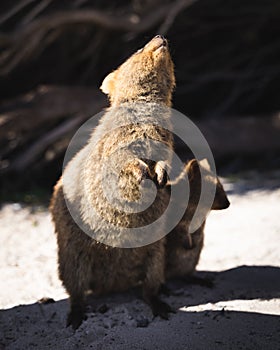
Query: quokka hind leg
151, 286
77, 313
75, 286
159, 307
75, 273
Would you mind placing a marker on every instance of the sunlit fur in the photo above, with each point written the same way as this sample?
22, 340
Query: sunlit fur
142, 87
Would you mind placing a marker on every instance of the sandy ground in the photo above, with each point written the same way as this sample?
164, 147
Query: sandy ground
241, 311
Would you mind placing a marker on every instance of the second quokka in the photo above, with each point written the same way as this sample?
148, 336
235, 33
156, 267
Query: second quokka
183, 248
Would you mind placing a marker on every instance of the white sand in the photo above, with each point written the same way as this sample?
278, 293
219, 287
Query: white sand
240, 312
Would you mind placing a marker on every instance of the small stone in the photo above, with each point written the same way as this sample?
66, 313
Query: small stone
142, 322
16, 206
46, 300
103, 308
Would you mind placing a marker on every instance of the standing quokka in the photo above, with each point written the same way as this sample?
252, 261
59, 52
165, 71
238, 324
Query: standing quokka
104, 178
183, 248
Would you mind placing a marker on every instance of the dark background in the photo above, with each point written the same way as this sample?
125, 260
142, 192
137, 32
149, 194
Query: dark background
55, 54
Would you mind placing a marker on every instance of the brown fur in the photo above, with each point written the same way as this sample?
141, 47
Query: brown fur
183, 249
142, 87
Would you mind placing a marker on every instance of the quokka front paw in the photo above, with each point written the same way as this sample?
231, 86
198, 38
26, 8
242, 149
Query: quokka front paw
135, 171
161, 173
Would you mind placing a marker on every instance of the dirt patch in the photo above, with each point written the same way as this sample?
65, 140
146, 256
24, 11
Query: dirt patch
241, 311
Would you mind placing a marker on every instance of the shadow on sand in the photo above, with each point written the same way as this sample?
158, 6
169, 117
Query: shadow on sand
43, 326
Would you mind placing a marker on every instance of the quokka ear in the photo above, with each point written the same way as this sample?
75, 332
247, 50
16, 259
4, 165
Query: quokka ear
221, 200
192, 169
108, 84
205, 164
